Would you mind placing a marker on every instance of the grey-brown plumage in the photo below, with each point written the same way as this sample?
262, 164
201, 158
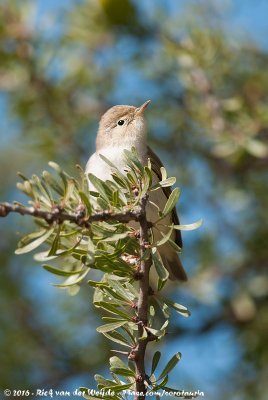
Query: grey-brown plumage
171, 260
122, 127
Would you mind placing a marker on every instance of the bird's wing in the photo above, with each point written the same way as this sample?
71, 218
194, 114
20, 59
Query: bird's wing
156, 165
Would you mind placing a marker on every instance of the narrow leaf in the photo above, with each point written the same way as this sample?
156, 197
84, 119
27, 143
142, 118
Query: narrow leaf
165, 183
85, 200
36, 243
100, 186
155, 361
170, 365
117, 337
160, 269
177, 307
188, 227
57, 271
171, 203
73, 280
110, 327
122, 371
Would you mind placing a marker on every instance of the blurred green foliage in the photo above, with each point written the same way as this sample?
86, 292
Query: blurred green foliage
209, 121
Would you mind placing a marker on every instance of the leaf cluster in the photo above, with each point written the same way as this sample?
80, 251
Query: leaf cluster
108, 246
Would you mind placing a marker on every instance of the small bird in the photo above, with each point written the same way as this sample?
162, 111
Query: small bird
120, 128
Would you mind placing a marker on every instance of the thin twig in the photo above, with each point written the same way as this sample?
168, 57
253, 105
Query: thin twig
79, 218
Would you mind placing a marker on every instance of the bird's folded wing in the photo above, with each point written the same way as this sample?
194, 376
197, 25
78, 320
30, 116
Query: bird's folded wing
156, 165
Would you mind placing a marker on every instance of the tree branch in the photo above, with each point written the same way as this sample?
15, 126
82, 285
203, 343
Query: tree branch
59, 215
138, 214
139, 352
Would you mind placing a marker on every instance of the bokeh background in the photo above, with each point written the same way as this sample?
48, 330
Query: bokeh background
204, 66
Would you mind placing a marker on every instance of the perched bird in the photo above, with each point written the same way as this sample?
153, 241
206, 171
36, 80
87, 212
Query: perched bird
123, 127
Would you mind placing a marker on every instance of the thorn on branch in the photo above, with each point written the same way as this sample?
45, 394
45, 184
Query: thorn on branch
139, 378
137, 275
151, 337
133, 355
136, 234
121, 352
133, 304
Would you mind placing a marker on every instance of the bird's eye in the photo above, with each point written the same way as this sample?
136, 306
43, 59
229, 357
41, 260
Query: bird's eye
121, 122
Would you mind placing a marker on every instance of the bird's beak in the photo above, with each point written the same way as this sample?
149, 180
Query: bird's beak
139, 111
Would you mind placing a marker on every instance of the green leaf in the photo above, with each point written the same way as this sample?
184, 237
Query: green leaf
117, 337
119, 388
103, 381
117, 362
145, 186
116, 237
133, 157
165, 183
160, 284
120, 290
112, 319
89, 257
116, 198
122, 371
160, 385
23, 177
174, 245
61, 173
130, 332
57, 271
144, 334
163, 173
30, 237
100, 186
156, 332
163, 307
97, 284
112, 308
26, 188
51, 181
109, 163
177, 307
188, 227
165, 238
160, 269
55, 243
155, 361
74, 279
42, 189
69, 190
170, 365
149, 173
86, 201
110, 327
171, 203
34, 244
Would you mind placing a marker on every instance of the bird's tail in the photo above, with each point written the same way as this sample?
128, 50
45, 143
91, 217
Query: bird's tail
173, 264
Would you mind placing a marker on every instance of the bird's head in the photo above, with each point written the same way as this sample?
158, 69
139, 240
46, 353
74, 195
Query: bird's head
122, 126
